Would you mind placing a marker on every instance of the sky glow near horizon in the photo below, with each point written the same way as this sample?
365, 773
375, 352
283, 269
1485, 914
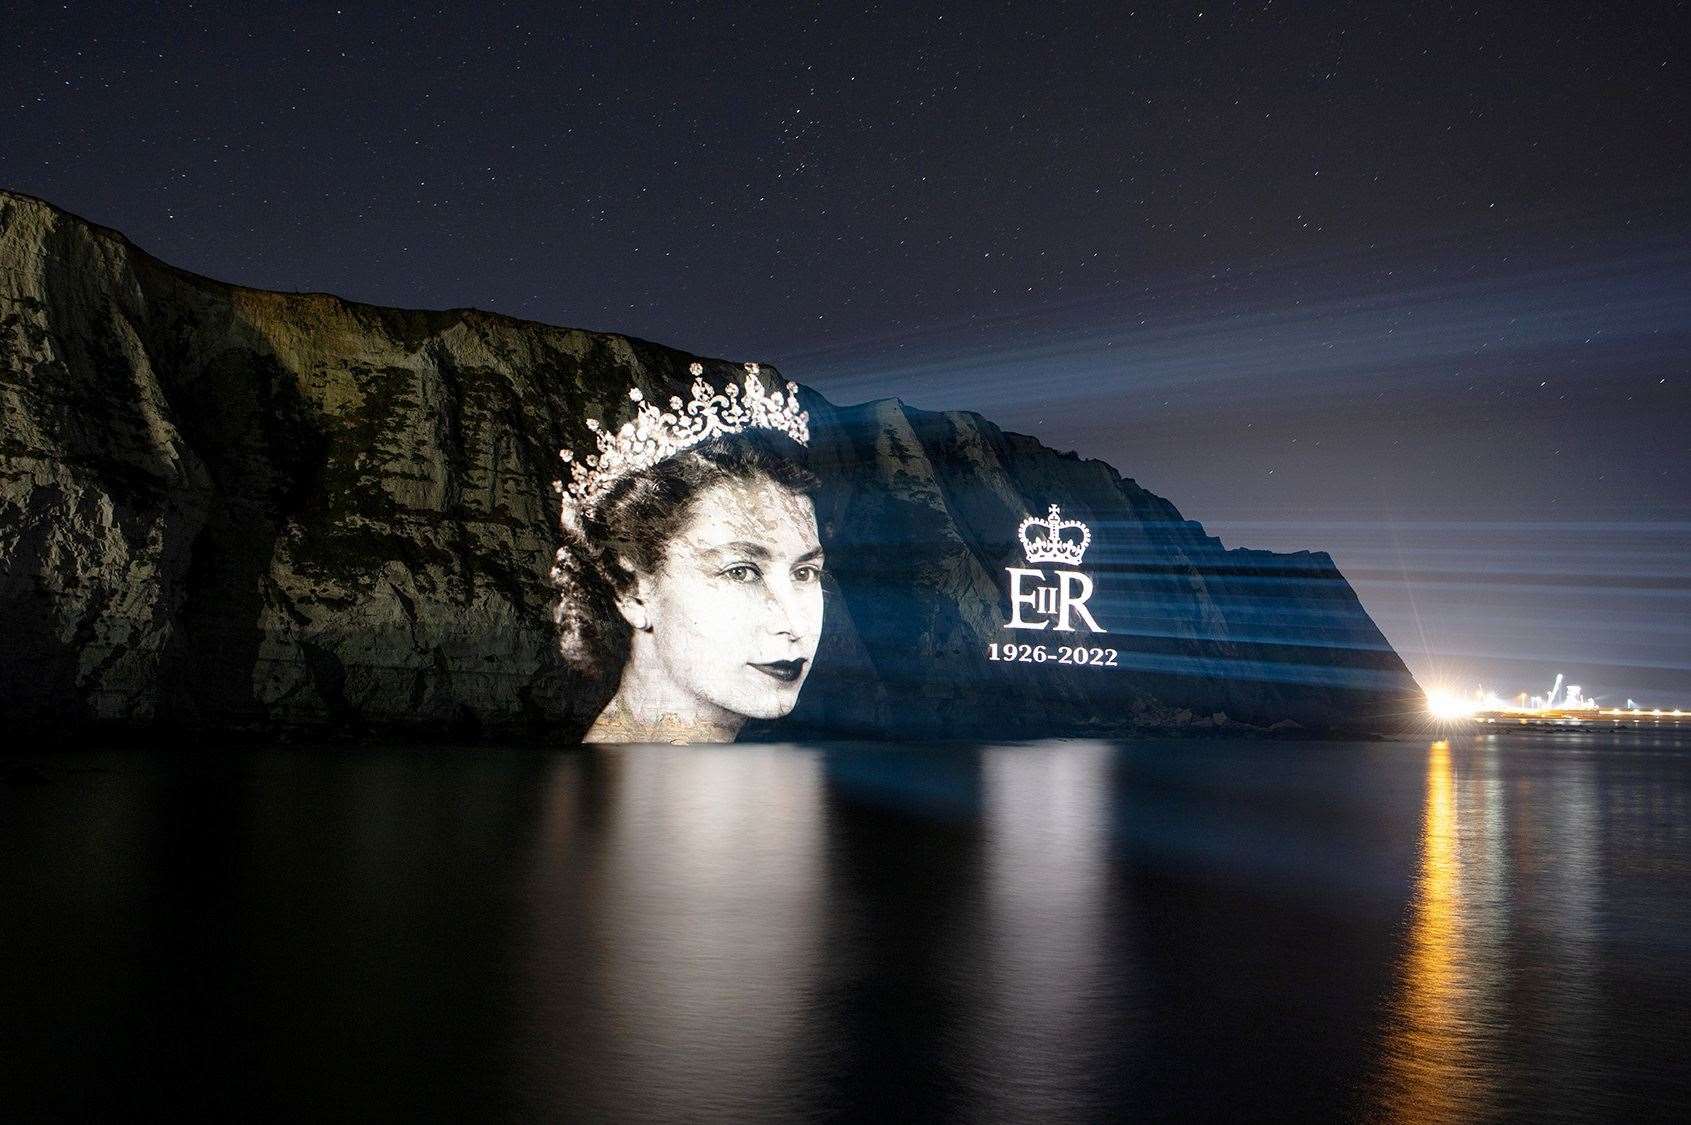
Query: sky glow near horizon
1577, 564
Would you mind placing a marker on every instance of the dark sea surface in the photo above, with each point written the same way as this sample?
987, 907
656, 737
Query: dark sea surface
1465, 930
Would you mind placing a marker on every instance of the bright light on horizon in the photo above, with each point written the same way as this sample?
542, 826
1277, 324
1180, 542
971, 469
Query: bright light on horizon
1446, 705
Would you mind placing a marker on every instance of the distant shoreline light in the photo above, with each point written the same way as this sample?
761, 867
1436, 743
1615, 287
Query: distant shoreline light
1447, 706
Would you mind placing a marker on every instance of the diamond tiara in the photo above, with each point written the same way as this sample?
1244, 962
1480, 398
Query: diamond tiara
655, 435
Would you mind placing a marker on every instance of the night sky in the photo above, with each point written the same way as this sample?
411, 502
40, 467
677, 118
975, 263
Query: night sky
1412, 286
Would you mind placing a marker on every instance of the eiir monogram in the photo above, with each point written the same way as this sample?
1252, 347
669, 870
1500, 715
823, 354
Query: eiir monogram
1063, 541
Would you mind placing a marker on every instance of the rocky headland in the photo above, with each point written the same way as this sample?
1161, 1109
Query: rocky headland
228, 509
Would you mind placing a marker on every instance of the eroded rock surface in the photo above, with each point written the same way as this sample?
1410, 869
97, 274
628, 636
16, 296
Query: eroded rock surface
224, 508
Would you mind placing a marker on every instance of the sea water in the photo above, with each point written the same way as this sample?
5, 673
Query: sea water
1462, 928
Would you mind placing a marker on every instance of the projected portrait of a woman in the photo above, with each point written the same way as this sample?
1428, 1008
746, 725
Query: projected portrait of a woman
691, 566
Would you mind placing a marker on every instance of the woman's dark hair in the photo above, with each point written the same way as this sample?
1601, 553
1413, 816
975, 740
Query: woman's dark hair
635, 520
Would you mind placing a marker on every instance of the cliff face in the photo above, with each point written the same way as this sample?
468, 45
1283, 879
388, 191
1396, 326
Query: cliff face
224, 507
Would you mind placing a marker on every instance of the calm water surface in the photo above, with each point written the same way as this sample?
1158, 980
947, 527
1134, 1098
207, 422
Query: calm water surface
1072, 931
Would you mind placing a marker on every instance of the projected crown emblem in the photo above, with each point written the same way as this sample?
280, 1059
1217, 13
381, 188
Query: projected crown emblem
1054, 539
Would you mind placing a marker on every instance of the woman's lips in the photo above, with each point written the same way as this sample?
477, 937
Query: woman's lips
784, 670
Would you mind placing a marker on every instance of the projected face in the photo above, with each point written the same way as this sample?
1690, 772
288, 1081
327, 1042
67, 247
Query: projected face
733, 615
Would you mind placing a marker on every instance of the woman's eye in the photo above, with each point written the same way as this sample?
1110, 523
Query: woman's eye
743, 572
807, 574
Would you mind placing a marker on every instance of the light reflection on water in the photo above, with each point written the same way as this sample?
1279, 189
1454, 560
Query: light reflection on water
1436, 1071
1053, 966
690, 945
1456, 931
1501, 1007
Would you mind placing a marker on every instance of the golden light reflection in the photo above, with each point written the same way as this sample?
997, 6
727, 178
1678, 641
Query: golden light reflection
1429, 1076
